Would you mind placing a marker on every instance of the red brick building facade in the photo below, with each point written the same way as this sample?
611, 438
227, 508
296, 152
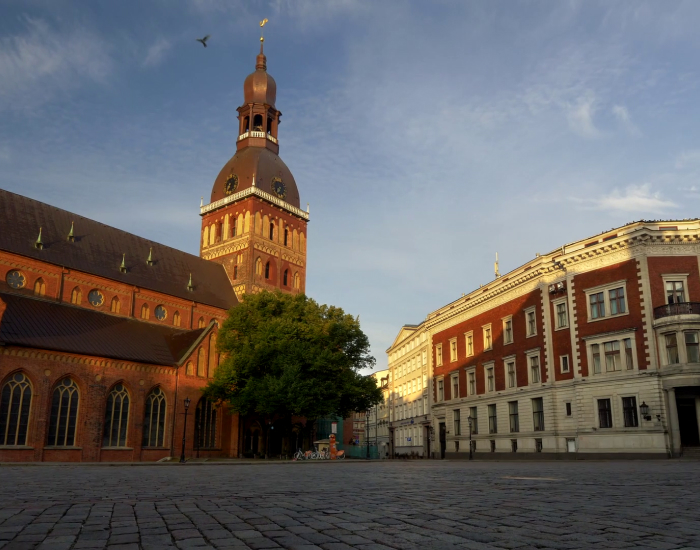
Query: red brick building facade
104, 334
590, 351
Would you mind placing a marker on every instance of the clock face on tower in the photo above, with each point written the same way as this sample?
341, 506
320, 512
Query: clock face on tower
231, 184
278, 187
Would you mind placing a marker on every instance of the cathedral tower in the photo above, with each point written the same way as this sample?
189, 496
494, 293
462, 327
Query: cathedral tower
254, 225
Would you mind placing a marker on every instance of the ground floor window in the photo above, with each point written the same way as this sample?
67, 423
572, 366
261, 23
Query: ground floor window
604, 413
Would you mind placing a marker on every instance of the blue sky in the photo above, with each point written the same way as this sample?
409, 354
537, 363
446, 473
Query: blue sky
426, 136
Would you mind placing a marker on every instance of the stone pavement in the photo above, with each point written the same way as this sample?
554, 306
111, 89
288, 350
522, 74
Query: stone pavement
353, 505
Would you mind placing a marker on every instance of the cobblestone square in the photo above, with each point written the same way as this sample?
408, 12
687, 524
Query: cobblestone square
353, 505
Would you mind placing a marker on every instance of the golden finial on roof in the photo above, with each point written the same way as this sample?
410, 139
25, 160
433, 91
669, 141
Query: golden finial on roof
39, 244
122, 267
262, 24
71, 235
149, 261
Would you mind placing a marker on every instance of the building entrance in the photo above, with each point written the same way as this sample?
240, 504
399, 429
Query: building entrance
443, 439
688, 422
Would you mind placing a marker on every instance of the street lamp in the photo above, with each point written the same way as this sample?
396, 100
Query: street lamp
469, 421
184, 430
644, 410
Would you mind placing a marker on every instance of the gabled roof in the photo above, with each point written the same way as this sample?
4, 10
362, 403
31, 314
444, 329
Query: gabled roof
98, 250
38, 323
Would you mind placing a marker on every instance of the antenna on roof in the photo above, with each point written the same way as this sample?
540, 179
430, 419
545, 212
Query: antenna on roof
38, 244
122, 267
495, 268
253, 180
71, 236
190, 286
201, 202
149, 261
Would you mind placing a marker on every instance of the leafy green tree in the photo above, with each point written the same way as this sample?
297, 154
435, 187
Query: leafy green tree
286, 355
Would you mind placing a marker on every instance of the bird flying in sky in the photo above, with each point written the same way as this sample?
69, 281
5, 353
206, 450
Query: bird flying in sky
204, 40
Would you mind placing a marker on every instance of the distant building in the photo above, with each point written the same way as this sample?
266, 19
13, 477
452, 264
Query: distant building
379, 417
409, 397
591, 350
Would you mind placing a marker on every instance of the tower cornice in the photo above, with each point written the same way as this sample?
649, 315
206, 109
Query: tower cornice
253, 191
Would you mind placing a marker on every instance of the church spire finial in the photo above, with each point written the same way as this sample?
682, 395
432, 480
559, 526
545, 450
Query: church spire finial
261, 60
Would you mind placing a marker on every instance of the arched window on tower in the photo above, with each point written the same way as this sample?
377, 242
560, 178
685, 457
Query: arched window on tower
234, 225
286, 237
76, 297
269, 125
272, 231
258, 123
116, 417
39, 287
258, 266
246, 125
15, 400
205, 237
284, 279
115, 306
297, 281
267, 270
235, 272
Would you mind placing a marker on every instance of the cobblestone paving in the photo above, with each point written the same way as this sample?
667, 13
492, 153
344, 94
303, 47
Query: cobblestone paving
353, 505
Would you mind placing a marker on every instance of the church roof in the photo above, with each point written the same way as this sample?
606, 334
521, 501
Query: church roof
39, 323
98, 249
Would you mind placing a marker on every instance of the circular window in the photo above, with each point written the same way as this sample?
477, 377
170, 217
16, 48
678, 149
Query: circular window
161, 313
96, 298
16, 279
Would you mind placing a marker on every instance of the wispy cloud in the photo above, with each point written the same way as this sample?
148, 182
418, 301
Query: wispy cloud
634, 198
580, 117
156, 53
42, 61
623, 116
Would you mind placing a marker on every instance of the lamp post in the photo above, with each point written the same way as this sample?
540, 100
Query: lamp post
184, 430
469, 421
367, 432
644, 410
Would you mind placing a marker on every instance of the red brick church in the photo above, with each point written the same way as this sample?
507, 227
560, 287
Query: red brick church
105, 334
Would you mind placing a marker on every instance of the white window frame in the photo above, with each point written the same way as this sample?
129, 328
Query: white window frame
600, 339
439, 398
556, 303
471, 372
533, 353
484, 328
438, 355
492, 366
561, 364
506, 360
469, 343
505, 320
454, 377
453, 350
527, 312
667, 277
613, 411
605, 289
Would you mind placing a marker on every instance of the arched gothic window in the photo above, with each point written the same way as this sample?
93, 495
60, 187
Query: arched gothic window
116, 417
212, 355
200, 323
15, 400
176, 319
190, 368
267, 270
201, 367
258, 266
115, 306
205, 237
297, 281
39, 287
286, 236
154, 420
272, 231
235, 272
145, 312
284, 279
64, 414
257, 123
234, 226
76, 297
205, 424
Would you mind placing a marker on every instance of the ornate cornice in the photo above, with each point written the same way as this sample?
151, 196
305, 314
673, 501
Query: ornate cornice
253, 191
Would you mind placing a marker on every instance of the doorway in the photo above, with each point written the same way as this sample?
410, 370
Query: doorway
443, 439
688, 422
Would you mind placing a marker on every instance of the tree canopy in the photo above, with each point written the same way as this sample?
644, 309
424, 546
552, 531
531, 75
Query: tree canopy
286, 355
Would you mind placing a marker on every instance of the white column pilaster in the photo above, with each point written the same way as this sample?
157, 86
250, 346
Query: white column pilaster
673, 422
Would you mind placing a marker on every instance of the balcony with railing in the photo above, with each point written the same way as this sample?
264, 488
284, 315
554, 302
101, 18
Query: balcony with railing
680, 308
257, 134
